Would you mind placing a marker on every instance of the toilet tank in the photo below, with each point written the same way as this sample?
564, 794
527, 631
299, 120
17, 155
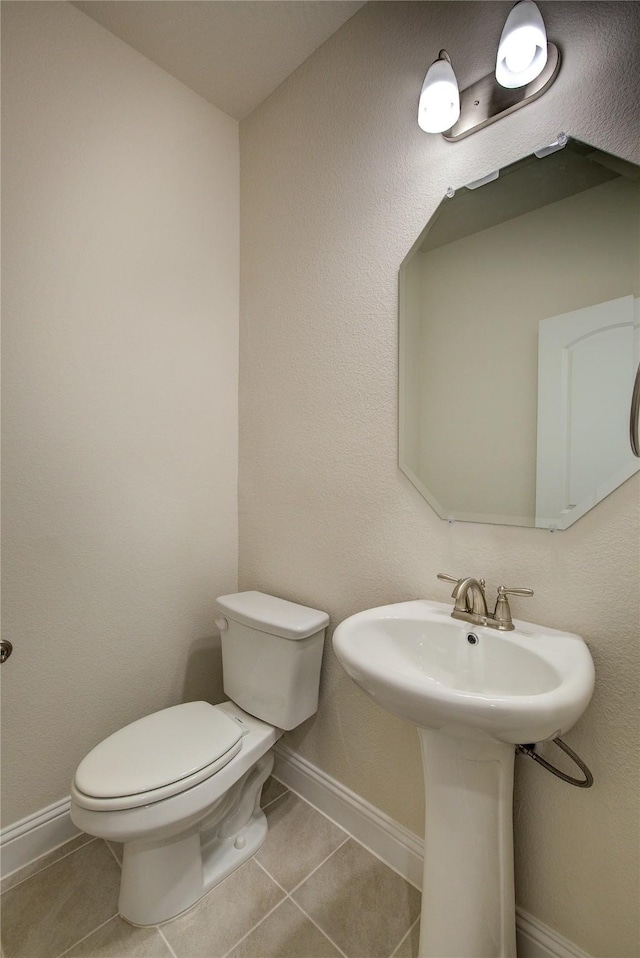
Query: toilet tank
271, 656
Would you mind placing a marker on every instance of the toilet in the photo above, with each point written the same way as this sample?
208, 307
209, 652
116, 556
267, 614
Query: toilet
181, 787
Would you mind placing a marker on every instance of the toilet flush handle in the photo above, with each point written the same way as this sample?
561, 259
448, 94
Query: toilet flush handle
222, 625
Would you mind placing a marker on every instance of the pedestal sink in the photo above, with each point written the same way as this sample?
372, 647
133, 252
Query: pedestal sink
474, 693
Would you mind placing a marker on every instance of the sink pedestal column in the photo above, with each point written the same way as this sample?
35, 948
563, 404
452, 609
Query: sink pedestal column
468, 902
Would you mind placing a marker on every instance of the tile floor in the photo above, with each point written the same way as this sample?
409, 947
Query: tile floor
311, 891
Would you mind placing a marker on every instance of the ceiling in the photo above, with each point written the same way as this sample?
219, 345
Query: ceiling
234, 53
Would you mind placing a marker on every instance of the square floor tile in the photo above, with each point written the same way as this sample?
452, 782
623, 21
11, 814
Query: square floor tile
299, 839
285, 933
231, 909
118, 939
361, 904
59, 905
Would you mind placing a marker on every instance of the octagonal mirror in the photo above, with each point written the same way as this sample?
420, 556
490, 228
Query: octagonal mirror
520, 341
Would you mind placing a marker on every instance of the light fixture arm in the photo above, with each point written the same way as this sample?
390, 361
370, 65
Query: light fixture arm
486, 101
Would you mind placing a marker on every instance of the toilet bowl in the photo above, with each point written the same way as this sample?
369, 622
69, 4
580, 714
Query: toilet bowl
181, 787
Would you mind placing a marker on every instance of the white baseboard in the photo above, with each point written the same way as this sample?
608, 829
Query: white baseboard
39, 834
395, 845
34, 836
537, 940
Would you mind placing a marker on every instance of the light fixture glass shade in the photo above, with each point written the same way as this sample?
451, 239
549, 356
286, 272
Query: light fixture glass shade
522, 51
439, 106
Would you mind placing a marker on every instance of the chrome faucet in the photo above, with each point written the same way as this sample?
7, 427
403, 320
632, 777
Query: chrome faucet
471, 603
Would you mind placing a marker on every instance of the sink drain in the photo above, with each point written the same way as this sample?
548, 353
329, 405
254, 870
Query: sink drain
472, 638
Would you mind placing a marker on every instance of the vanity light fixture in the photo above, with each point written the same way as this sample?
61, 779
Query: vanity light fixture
522, 51
526, 66
439, 105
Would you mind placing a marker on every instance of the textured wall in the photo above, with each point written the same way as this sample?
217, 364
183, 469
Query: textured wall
337, 182
120, 323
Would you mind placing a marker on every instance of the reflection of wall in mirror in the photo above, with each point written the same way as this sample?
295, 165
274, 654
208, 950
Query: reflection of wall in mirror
482, 299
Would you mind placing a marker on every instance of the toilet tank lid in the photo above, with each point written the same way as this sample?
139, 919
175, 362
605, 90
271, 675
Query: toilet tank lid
267, 613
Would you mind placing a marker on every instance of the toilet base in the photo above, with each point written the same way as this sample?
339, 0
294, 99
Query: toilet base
162, 879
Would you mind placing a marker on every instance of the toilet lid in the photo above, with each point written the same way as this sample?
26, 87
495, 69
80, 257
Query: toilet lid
158, 750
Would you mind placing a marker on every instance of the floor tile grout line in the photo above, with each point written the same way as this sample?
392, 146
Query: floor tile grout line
319, 865
323, 862
253, 928
302, 880
274, 799
269, 875
315, 923
405, 936
165, 940
84, 938
44, 867
295, 888
286, 897
118, 862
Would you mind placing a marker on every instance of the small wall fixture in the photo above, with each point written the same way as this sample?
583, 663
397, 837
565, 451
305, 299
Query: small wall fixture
526, 66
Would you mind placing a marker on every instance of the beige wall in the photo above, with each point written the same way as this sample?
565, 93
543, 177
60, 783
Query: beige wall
120, 310
337, 182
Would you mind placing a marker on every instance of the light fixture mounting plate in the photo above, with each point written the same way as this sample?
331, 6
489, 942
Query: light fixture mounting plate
486, 101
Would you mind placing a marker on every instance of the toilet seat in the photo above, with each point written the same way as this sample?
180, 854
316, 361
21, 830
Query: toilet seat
154, 818
156, 757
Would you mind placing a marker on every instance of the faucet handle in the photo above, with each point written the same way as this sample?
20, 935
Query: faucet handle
502, 611
451, 578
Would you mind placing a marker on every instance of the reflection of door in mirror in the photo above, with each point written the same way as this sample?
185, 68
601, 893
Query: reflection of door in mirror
586, 360
552, 236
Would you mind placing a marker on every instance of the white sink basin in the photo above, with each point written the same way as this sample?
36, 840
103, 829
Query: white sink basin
416, 661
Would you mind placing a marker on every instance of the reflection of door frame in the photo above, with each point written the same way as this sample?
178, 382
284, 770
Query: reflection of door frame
557, 336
